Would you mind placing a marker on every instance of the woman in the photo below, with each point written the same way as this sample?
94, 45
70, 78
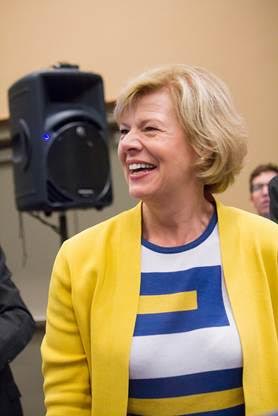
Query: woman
169, 308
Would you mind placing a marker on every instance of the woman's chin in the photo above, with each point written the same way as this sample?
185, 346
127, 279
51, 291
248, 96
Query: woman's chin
141, 195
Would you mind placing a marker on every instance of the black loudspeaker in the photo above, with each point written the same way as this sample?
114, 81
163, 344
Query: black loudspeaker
59, 141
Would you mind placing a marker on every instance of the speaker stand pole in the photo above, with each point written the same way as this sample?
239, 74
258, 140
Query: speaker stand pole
63, 228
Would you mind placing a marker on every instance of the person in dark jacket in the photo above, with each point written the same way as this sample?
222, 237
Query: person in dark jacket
16, 329
273, 195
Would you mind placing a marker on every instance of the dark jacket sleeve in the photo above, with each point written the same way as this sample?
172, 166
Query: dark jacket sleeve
16, 323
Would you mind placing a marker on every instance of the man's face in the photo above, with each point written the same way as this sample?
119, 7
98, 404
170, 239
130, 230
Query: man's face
259, 193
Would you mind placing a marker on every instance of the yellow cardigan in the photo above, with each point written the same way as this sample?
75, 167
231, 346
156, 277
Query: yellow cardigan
93, 298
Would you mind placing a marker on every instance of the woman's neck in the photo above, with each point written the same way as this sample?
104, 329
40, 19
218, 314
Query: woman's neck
173, 225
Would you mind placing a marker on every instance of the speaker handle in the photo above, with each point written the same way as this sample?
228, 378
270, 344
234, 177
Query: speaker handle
56, 120
21, 145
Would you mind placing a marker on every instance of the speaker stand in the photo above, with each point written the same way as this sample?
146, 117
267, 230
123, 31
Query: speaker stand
63, 227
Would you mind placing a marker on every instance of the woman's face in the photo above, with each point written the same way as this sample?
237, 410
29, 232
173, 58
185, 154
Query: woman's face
155, 155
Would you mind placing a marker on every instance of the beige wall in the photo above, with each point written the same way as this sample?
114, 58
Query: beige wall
235, 39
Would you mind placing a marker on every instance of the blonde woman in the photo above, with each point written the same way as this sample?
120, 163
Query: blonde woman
169, 308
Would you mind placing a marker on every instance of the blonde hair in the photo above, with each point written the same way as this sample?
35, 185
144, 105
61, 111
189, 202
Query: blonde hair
206, 112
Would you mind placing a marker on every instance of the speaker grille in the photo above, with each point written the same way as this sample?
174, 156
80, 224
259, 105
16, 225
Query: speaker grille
55, 196
78, 162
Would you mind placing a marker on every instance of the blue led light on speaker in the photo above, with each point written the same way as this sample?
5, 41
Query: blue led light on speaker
46, 136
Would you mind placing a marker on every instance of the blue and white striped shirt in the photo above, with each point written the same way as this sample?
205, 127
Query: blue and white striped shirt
186, 355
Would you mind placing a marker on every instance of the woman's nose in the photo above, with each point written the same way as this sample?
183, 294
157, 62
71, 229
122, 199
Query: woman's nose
131, 140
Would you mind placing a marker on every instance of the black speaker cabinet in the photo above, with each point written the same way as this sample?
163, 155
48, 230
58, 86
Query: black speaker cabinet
59, 141
273, 195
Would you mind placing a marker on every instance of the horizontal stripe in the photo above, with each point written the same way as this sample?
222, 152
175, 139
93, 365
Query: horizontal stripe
180, 281
232, 411
185, 405
169, 323
205, 382
174, 302
168, 355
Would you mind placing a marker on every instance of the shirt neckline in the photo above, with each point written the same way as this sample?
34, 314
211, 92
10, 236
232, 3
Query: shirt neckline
188, 246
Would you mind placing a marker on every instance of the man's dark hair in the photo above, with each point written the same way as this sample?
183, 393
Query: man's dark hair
268, 167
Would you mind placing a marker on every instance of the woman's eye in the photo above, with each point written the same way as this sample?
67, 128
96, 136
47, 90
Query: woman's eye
151, 128
123, 132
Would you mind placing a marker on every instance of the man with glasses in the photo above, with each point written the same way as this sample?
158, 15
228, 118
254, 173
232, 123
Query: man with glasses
258, 183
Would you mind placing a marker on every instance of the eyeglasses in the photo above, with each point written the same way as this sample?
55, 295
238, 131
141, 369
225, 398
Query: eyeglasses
258, 187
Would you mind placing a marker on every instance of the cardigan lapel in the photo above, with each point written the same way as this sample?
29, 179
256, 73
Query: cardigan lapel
239, 275
113, 376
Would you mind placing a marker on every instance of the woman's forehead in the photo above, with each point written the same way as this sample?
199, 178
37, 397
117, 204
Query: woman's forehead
151, 102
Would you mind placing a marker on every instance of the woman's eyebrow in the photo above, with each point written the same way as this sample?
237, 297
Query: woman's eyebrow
150, 120
123, 124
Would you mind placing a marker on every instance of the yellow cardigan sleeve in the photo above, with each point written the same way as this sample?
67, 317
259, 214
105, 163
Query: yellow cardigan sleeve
65, 367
